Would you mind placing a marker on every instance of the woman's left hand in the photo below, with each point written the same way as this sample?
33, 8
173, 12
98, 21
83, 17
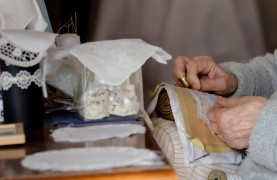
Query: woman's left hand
234, 118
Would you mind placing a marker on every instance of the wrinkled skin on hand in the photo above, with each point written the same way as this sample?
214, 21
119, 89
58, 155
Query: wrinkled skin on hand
203, 74
234, 118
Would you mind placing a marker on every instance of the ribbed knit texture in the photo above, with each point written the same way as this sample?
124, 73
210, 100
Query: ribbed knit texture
259, 78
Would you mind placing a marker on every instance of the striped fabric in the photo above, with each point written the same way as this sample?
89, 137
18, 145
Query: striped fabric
167, 136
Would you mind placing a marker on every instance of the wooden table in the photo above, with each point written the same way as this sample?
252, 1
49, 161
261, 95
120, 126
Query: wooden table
10, 157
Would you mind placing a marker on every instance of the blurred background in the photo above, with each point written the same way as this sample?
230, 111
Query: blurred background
229, 30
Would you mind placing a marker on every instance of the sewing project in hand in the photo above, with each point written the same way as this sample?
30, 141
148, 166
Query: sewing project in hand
188, 108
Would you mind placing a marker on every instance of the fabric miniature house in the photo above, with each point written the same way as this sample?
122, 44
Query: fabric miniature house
104, 78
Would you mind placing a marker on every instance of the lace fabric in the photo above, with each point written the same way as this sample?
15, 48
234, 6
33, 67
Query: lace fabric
23, 48
22, 79
204, 101
17, 55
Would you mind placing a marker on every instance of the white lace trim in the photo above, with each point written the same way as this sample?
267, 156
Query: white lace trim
204, 102
23, 79
16, 55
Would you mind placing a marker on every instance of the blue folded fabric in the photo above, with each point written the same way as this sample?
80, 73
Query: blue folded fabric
69, 118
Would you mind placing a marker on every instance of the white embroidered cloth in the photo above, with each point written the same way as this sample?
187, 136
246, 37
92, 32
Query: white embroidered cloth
109, 63
98, 132
24, 48
18, 14
81, 159
113, 61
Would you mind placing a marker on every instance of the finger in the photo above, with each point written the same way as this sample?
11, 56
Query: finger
219, 115
179, 69
217, 104
208, 84
212, 114
206, 65
227, 102
202, 68
240, 143
193, 75
214, 128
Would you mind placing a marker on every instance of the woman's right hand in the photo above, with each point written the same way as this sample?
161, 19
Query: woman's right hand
203, 74
234, 118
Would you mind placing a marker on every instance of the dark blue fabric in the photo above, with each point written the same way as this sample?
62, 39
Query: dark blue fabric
69, 118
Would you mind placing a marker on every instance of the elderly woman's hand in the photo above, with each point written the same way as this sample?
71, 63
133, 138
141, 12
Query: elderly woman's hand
234, 118
203, 74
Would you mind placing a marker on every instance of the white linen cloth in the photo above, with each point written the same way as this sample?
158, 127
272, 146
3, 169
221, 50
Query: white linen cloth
103, 69
16, 44
83, 159
21, 14
113, 61
98, 132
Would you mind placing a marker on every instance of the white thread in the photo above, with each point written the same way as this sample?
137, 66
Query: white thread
22, 79
68, 25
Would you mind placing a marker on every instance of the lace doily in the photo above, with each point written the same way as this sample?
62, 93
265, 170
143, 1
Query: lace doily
99, 132
24, 48
23, 79
16, 55
82, 159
